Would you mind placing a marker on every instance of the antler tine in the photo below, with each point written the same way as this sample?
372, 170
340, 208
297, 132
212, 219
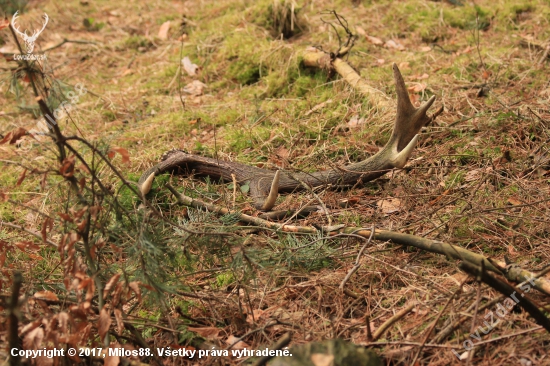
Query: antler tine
273, 193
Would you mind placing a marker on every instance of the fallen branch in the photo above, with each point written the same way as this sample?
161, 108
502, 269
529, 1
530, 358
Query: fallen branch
314, 57
508, 291
388, 323
434, 246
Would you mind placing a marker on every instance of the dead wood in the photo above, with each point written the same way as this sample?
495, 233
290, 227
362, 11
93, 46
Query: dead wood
433, 246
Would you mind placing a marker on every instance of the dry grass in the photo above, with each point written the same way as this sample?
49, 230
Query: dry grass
479, 179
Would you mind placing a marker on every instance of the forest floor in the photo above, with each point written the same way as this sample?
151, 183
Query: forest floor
479, 177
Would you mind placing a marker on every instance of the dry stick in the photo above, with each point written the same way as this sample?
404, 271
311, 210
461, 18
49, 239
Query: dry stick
388, 323
310, 190
473, 325
435, 322
314, 57
544, 55
357, 263
281, 343
13, 318
507, 290
434, 246
33, 233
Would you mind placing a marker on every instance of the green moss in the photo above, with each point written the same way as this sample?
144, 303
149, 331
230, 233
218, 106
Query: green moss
467, 17
137, 43
245, 72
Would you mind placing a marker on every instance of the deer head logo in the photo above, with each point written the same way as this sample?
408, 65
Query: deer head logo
29, 40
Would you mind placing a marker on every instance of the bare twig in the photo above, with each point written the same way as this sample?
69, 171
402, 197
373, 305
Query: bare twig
388, 323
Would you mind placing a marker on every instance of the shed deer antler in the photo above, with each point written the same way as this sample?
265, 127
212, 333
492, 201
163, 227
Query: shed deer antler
265, 184
29, 40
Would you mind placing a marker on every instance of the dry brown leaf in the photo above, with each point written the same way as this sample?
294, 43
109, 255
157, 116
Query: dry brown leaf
472, 175
21, 178
374, 40
65, 217
391, 44
67, 167
195, 88
514, 201
33, 339
236, 343
112, 360
361, 31
110, 284
389, 205
163, 30
4, 23
26, 246
416, 88
104, 323
356, 121
45, 295
119, 321
206, 332
122, 151
254, 316
14, 136
321, 359
459, 278
134, 286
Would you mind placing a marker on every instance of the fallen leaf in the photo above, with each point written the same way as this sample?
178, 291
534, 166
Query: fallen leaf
119, 321
189, 67
206, 332
33, 339
356, 121
25, 246
236, 343
389, 205
195, 88
472, 175
163, 31
110, 284
425, 49
361, 31
104, 322
459, 278
45, 295
416, 88
514, 201
374, 40
123, 152
14, 136
4, 23
67, 167
391, 44
134, 286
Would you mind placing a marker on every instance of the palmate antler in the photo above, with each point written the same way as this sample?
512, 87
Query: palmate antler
29, 40
265, 185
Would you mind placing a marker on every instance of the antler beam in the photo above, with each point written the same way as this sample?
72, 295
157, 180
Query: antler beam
265, 184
